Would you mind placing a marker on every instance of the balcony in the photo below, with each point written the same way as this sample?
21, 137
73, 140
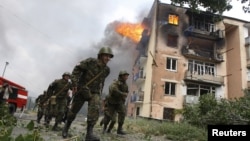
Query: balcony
141, 61
137, 97
139, 77
191, 99
205, 78
202, 55
247, 41
205, 32
248, 63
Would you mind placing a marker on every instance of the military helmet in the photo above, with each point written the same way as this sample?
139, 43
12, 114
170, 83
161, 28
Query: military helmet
123, 72
106, 50
66, 73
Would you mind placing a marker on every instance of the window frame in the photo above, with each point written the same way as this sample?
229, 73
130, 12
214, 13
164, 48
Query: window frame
173, 19
169, 86
171, 66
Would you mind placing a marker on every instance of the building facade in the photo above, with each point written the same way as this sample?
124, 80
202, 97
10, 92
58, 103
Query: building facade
183, 55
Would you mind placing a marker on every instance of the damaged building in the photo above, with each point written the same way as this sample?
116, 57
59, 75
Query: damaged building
184, 55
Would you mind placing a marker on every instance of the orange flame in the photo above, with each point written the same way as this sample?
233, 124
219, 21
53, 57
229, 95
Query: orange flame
132, 31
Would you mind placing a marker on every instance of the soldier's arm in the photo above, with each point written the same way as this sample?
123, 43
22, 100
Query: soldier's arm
115, 91
77, 72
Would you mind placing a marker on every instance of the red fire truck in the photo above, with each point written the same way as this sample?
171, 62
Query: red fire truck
18, 97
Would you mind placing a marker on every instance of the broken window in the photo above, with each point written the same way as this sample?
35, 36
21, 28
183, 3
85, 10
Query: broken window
173, 19
169, 88
172, 40
201, 68
171, 64
199, 89
168, 113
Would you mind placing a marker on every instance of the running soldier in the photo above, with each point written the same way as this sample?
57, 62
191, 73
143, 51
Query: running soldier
40, 105
108, 119
57, 95
118, 92
88, 78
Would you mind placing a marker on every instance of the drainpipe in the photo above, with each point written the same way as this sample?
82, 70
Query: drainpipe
151, 99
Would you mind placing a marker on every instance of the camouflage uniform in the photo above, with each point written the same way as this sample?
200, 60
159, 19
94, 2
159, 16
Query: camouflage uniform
58, 88
118, 92
67, 108
41, 110
82, 74
108, 119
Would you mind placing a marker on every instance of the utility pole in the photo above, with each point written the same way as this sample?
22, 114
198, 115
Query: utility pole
6, 64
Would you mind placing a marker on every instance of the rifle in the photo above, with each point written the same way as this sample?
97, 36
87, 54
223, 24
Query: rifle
34, 107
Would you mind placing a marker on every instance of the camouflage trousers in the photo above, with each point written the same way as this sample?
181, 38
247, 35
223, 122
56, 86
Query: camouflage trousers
57, 110
114, 109
93, 107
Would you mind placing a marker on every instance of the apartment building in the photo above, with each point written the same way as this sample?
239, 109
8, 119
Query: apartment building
183, 55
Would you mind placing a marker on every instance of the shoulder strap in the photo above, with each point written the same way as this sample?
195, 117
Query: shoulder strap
90, 81
62, 89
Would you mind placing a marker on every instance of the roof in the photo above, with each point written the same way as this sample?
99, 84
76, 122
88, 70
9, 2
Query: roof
11, 83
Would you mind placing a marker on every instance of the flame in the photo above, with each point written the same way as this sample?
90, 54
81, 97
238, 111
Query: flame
132, 31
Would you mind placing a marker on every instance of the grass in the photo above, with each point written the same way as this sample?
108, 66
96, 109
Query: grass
171, 130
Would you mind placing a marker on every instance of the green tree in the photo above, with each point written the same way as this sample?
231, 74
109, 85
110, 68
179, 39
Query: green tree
213, 6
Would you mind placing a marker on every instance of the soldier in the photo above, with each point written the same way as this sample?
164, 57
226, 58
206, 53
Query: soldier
108, 119
57, 94
5, 91
41, 109
88, 77
67, 108
118, 92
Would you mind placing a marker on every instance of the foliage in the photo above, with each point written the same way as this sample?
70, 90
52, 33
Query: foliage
213, 6
214, 112
171, 130
7, 124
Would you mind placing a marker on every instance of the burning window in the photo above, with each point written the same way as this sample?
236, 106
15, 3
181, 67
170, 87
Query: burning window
173, 19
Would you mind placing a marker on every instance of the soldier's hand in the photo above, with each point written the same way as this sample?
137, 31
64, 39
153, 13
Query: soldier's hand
125, 95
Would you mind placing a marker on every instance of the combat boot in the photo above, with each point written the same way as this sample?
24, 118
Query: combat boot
111, 125
104, 128
119, 130
66, 129
39, 117
55, 128
90, 136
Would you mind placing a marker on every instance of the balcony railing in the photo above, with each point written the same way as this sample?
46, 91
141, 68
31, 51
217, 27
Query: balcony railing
137, 97
213, 79
205, 55
205, 33
191, 99
139, 77
248, 84
247, 41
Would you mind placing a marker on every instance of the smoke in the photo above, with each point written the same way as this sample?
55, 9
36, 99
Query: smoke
42, 39
124, 51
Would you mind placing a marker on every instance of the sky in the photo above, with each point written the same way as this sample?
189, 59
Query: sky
42, 39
